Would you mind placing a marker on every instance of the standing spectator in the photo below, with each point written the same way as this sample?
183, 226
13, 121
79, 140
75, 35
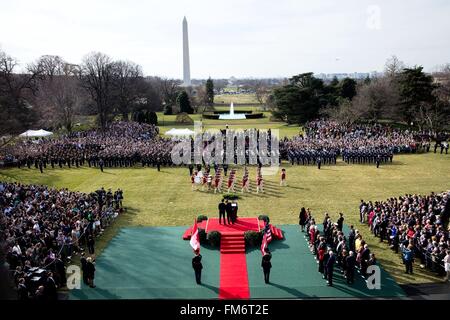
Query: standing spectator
302, 218
90, 270
90, 244
266, 265
447, 265
340, 222
350, 262
83, 263
408, 258
50, 287
329, 268
39, 295
351, 239
22, 290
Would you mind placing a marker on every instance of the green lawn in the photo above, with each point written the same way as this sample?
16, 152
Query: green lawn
167, 122
165, 198
235, 98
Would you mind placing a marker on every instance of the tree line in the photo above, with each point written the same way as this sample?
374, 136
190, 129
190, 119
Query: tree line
403, 94
51, 92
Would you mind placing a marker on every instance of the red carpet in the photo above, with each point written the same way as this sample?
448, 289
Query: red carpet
233, 263
241, 225
233, 276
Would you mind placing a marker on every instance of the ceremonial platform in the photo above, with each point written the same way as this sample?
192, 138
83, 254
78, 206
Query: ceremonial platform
155, 263
239, 228
233, 262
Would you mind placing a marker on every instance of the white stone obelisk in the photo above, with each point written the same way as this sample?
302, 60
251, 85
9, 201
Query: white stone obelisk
186, 65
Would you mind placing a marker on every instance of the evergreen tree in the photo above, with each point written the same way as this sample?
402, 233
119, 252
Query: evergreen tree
416, 92
210, 92
168, 110
152, 118
184, 103
348, 88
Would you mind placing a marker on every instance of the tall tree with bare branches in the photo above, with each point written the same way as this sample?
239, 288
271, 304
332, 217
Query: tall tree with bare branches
17, 91
128, 86
97, 76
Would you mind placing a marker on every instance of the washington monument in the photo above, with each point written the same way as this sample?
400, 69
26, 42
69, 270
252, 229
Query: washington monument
186, 66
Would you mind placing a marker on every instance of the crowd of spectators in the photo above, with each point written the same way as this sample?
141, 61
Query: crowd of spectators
332, 248
42, 229
358, 143
121, 144
415, 225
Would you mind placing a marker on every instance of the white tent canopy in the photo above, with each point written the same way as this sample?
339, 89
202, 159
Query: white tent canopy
36, 133
179, 132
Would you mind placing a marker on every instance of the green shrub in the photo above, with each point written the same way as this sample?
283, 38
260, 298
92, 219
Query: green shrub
213, 238
264, 218
253, 238
168, 110
201, 218
231, 196
202, 236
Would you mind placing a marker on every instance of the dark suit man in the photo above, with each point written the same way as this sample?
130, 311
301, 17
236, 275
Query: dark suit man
83, 263
222, 211
266, 265
340, 222
50, 287
329, 267
319, 162
351, 239
350, 262
191, 169
229, 210
90, 270
90, 244
101, 164
225, 169
197, 266
40, 163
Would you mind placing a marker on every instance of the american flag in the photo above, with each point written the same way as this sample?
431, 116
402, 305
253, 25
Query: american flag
267, 237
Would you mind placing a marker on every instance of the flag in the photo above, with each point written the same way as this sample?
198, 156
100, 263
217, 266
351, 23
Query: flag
267, 237
195, 239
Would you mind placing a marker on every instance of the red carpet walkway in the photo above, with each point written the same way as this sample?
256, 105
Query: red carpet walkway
233, 276
233, 262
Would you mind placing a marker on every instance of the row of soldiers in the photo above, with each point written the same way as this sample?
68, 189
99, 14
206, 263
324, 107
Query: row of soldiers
370, 155
307, 157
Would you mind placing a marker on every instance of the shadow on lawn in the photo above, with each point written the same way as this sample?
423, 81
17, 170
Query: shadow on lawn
292, 291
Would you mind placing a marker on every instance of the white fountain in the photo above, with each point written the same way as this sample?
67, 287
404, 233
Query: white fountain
232, 115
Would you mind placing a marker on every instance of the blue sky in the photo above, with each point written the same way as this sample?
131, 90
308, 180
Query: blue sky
246, 38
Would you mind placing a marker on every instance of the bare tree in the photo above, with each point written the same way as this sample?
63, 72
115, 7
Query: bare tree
437, 115
377, 100
170, 89
17, 92
344, 113
97, 76
261, 91
393, 66
59, 96
128, 86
